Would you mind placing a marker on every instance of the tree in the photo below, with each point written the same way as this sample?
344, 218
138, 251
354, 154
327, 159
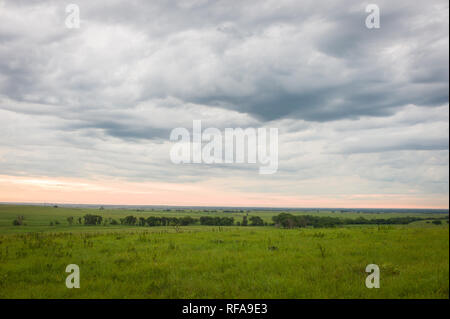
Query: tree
244, 221
206, 220
216, 221
227, 221
256, 221
153, 221
92, 219
129, 220
173, 221
70, 220
187, 220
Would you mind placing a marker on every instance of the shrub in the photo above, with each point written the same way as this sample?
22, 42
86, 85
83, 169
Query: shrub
18, 221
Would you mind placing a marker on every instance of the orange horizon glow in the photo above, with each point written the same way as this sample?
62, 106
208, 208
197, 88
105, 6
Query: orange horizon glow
14, 189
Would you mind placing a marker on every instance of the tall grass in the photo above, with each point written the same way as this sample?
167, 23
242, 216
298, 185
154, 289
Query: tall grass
227, 262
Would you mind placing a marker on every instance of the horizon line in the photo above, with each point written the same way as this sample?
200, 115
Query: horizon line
203, 206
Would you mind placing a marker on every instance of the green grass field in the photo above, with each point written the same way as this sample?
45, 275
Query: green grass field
217, 262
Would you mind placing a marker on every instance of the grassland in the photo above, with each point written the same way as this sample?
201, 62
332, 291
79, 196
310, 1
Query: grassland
217, 262
38, 218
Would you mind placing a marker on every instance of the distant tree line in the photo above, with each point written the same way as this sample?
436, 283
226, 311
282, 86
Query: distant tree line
171, 221
217, 221
158, 221
286, 220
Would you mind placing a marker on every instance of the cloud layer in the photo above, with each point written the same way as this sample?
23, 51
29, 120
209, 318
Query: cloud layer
360, 111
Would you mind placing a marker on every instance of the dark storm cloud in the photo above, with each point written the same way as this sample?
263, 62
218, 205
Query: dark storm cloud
258, 57
385, 146
122, 130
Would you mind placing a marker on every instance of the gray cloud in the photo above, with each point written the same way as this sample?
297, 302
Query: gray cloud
102, 99
275, 61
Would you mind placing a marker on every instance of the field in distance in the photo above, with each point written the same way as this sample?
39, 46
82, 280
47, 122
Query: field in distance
118, 261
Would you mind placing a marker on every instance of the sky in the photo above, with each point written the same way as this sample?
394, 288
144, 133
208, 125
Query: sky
362, 114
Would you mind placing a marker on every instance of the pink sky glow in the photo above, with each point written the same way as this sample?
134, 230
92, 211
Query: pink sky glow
116, 192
